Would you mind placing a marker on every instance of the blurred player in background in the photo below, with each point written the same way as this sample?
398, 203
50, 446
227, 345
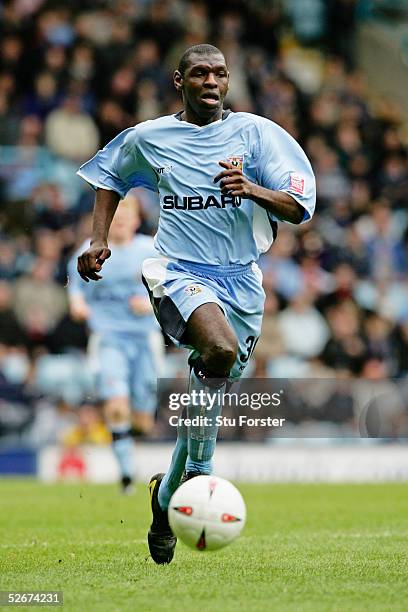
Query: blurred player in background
126, 344
224, 180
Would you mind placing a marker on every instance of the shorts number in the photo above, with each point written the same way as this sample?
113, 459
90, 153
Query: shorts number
251, 344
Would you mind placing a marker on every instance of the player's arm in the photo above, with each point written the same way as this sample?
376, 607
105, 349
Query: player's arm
91, 260
111, 172
278, 203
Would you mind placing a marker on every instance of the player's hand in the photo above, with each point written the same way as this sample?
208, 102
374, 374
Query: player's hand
233, 182
140, 305
91, 262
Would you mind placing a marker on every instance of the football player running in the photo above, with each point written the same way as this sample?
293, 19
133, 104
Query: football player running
224, 179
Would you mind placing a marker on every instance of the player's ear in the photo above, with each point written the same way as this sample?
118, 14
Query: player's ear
178, 80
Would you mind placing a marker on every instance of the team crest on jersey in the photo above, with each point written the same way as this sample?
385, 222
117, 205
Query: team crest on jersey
236, 160
192, 290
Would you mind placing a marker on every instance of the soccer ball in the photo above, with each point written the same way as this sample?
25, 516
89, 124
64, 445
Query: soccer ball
207, 512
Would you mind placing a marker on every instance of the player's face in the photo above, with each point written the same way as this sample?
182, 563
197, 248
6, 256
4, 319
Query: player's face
204, 84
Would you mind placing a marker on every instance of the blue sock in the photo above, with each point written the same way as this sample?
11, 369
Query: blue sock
202, 437
122, 446
171, 480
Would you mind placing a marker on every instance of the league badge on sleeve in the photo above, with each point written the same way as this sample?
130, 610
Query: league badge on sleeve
297, 183
236, 160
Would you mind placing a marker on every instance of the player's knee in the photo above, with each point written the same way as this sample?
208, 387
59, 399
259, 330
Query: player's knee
117, 410
221, 356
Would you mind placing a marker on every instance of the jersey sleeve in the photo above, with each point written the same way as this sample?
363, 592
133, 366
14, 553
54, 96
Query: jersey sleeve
283, 166
119, 166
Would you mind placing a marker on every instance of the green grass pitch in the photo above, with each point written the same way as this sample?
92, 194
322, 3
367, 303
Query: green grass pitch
305, 548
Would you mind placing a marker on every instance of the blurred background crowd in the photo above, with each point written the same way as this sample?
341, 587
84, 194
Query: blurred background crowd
73, 75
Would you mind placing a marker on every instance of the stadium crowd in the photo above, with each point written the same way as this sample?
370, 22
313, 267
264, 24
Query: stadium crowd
74, 75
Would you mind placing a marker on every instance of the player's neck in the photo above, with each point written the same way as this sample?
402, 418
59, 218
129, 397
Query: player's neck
191, 117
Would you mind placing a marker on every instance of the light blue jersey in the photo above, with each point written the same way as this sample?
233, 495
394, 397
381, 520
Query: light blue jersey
180, 160
109, 298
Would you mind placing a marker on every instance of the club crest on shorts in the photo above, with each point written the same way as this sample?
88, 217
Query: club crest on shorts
236, 160
192, 290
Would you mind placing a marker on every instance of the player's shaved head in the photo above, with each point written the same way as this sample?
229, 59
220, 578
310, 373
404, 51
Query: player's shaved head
200, 50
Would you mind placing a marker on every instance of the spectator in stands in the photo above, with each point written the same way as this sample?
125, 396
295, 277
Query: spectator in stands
83, 138
11, 332
303, 329
39, 302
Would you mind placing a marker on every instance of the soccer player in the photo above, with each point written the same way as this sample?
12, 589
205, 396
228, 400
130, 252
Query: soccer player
126, 341
224, 180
